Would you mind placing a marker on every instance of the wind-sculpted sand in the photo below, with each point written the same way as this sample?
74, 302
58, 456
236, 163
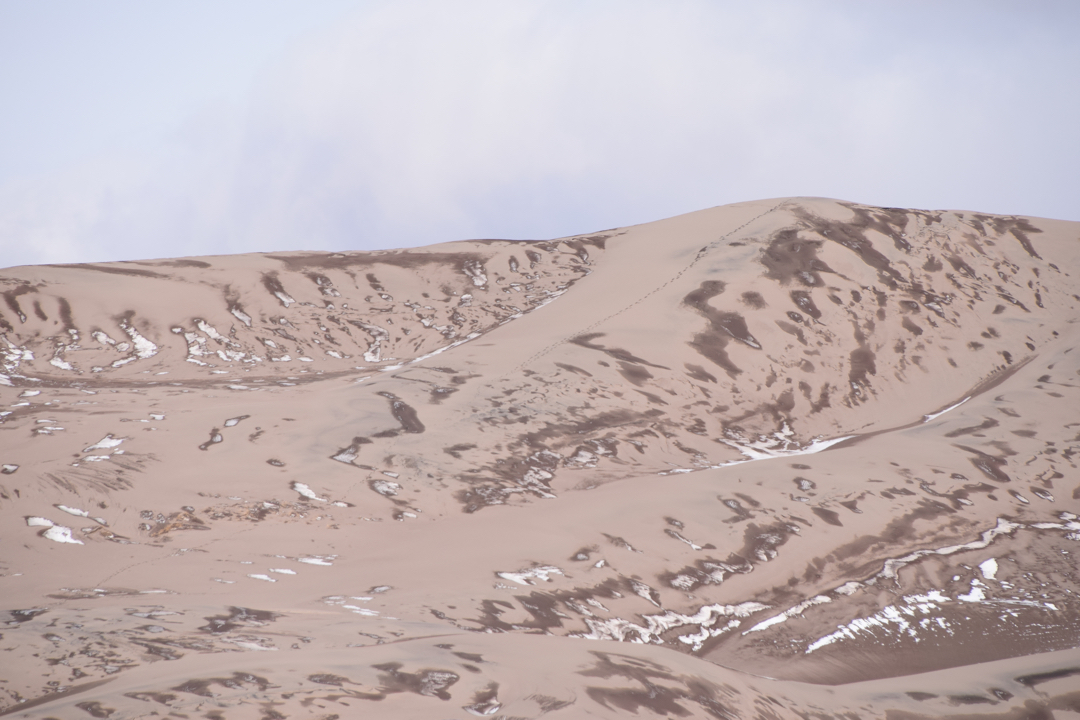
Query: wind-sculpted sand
784, 459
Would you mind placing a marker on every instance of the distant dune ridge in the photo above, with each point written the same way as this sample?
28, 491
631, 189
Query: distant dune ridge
791, 458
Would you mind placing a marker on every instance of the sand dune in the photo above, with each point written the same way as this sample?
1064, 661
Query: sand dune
789, 458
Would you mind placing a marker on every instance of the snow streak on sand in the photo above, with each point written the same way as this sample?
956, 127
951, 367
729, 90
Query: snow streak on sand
433, 353
898, 619
789, 613
935, 416
705, 619
780, 444
526, 577
901, 618
766, 447
893, 566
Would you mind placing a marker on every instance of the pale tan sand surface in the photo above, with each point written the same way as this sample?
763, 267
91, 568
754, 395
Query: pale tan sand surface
788, 458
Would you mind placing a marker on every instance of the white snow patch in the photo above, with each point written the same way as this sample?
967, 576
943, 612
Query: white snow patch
61, 534
374, 352
385, 487
526, 577
475, 271
346, 456
104, 444
849, 588
143, 348
324, 560
241, 316
306, 491
976, 593
361, 611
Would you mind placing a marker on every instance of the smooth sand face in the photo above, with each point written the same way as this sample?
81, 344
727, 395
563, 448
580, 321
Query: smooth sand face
789, 458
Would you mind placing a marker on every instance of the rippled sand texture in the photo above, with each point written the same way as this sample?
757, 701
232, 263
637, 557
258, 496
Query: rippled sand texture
795, 458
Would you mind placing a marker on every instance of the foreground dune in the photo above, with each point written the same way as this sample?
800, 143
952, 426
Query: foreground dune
790, 458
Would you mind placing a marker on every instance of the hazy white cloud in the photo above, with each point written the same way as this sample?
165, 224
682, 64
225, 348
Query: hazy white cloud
411, 122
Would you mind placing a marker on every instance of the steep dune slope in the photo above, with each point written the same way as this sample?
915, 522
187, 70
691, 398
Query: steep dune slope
393, 470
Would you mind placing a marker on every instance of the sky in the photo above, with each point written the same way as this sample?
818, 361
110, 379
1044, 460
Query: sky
134, 130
